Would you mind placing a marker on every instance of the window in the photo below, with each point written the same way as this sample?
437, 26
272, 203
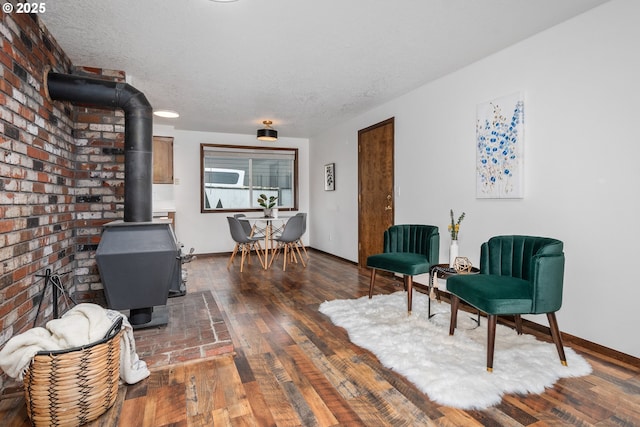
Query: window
232, 177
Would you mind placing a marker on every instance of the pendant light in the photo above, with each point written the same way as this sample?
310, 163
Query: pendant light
267, 133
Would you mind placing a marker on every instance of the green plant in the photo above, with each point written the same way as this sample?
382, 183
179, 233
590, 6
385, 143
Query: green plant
454, 227
267, 203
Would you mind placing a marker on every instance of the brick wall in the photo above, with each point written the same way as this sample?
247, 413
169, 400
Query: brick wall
61, 177
37, 168
99, 186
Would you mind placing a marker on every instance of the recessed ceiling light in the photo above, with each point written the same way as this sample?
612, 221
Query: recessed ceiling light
223, 1
168, 114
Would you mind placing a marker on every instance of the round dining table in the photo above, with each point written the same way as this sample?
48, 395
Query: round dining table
269, 231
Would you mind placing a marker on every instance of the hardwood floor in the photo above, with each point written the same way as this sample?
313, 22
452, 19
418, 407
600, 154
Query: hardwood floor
292, 367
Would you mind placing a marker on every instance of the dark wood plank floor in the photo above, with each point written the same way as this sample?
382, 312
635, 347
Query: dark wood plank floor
292, 367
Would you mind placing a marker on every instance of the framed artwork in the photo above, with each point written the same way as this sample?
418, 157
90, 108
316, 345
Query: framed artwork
330, 177
499, 148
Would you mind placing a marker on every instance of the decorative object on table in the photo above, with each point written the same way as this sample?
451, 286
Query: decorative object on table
450, 369
453, 252
454, 228
462, 265
434, 286
267, 204
499, 142
330, 177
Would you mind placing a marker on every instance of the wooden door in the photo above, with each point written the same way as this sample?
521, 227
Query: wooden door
375, 187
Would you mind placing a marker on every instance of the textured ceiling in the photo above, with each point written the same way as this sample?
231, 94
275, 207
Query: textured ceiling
301, 63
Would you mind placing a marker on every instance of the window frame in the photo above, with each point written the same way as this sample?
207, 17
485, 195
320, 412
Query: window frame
204, 148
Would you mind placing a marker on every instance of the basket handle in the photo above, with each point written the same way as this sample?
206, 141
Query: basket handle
117, 325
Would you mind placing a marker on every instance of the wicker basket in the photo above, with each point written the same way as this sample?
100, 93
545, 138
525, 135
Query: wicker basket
74, 386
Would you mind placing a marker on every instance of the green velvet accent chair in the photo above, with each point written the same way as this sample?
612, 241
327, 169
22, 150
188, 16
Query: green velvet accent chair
409, 249
518, 275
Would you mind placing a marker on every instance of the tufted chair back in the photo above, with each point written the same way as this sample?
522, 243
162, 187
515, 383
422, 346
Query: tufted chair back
413, 238
539, 260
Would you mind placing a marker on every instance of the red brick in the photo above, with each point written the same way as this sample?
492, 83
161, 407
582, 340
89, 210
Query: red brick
38, 187
6, 226
20, 273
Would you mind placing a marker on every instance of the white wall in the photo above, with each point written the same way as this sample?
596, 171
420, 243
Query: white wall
209, 232
581, 82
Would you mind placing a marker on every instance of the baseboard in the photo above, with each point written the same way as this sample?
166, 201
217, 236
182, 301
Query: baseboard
597, 348
333, 256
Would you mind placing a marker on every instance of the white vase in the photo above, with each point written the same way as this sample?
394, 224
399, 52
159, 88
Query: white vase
453, 253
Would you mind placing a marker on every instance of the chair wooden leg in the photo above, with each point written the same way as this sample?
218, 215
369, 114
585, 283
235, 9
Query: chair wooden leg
557, 338
303, 248
373, 279
244, 254
233, 254
491, 339
518, 320
273, 255
258, 249
292, 253
409, 281
299, 254
284, 254
455, 302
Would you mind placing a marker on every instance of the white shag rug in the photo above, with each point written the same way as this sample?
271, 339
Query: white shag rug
451, 370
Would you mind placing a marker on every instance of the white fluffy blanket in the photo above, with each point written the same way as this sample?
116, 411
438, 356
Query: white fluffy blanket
81, 325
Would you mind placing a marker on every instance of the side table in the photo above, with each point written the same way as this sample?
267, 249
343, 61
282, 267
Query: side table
443, 271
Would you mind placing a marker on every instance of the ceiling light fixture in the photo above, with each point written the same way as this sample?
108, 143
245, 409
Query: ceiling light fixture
223, 1
167, 114
267, 133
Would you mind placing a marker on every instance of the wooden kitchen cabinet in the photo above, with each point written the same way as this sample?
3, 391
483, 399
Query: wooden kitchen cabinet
162, 160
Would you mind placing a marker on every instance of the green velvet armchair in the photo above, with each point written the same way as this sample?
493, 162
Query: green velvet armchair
409, 249
518, 275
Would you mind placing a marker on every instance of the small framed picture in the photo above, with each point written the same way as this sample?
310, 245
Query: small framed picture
330, 177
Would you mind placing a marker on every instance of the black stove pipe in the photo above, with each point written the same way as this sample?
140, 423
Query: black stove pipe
138, 136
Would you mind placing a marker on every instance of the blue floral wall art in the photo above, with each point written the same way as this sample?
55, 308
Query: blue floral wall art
499, 148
